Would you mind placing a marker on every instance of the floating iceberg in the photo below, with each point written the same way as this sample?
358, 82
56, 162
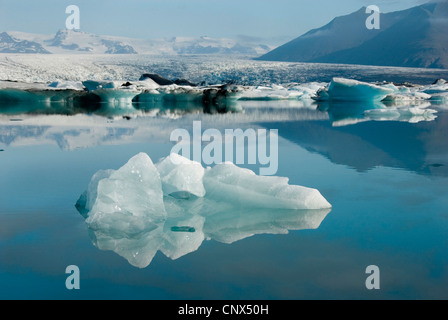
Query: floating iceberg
341, 89
155, 95
116, 97
349, 101
126, 210
148, 94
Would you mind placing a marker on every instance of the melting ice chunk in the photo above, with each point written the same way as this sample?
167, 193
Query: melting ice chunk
181, 176
242, 186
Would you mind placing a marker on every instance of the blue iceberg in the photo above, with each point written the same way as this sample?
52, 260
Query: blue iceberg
341, 89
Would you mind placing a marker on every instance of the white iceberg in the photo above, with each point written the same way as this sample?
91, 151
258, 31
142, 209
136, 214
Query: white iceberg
243, 187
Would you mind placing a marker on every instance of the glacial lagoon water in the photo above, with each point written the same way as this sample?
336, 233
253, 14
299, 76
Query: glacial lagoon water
386, 178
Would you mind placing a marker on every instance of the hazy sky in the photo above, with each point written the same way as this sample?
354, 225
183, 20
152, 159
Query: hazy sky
268, 19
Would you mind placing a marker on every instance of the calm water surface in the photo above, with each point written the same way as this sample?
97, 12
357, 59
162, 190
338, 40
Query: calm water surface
387, 182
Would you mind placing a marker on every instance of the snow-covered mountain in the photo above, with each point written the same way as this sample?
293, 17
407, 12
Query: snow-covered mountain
9, 44
69, 42
85, 42
416, 37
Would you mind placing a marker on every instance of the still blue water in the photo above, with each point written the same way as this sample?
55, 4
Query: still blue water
387, 182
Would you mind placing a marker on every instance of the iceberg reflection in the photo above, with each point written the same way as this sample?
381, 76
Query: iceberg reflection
349, 113
190, 222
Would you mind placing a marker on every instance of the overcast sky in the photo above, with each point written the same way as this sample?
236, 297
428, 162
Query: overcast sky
268, 19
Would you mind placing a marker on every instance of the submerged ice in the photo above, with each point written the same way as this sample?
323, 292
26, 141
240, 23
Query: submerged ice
174, 205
